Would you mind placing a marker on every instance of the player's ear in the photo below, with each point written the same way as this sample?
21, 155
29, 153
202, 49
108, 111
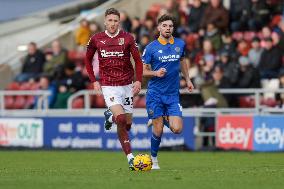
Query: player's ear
159, 28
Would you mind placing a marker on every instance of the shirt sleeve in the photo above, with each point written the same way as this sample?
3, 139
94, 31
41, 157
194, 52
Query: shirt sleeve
91, 49
137, 59
182, 50
147, 55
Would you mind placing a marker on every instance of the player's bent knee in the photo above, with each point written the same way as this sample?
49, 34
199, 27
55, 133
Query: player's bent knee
176, 130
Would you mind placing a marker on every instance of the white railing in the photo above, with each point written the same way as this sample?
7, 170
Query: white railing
257, 93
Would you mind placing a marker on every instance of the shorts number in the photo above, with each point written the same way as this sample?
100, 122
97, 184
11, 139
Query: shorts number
128, 101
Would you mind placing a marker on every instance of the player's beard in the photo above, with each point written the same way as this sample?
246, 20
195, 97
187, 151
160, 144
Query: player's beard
166, 35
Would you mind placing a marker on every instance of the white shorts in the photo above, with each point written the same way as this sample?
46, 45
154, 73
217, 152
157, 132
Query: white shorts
122, 95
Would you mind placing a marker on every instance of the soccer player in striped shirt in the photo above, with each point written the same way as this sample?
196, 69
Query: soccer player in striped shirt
116, 73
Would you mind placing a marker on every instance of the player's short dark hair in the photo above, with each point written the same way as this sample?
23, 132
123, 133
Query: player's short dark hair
166, 17
112, 11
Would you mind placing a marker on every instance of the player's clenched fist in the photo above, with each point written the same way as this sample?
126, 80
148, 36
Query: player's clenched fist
161, 72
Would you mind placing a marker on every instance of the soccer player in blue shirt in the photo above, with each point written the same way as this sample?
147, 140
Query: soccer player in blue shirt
163, 59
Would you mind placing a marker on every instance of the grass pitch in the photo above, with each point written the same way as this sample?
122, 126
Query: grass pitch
96, 169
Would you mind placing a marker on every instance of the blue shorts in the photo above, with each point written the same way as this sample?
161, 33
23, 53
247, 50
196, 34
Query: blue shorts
162, 105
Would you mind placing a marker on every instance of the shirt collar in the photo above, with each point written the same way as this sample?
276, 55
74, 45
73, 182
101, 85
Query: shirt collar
164, 42
112, 36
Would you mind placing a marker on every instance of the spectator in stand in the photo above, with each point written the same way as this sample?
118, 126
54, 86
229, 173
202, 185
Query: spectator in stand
62, 97
239, 14
248, 75
59, 57
255, 52
265, 32
270, 60
259, 16
82, 34
229, 45
207, 49
125, 21
243, 48
213, 34
33, 64
145, 40
230, 68
70, 82
94, 28
73, 80
148, 28
216, 14
196, 12
172, 8
220, 80
136, 27
44, 84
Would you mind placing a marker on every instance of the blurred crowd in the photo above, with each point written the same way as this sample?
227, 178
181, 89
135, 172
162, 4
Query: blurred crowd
229, 44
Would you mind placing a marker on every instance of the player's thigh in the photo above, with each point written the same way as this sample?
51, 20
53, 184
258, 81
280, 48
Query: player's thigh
158, 126
116, 110
127, 100
176, 124
174, 111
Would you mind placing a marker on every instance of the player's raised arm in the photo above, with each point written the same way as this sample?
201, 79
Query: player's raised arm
91, 49
184, 70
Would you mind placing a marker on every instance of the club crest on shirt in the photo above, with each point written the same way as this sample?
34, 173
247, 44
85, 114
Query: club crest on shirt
177, 49
121, 41
151, 112
111, 99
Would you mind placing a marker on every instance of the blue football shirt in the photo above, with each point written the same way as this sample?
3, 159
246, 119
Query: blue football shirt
160, 54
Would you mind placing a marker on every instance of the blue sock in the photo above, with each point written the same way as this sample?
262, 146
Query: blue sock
166, 123
155, 143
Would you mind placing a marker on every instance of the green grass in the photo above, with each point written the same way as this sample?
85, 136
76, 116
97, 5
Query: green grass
96, 169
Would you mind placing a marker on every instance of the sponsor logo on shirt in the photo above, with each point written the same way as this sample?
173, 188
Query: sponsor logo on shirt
169, 58
106, 54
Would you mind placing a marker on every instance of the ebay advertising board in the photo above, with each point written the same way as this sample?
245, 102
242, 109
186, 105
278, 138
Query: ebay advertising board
234, 132
268, 133
256, 133
21, 132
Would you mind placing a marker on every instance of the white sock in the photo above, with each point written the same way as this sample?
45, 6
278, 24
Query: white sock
154, 159
129, 156
110, 119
